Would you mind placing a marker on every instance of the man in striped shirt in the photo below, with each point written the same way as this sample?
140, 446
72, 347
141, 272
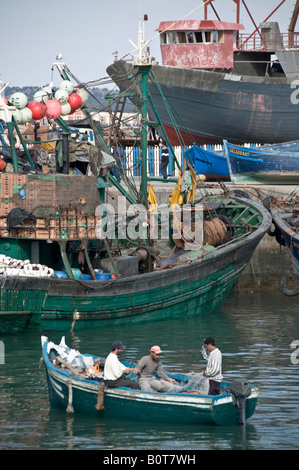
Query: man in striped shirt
213, 371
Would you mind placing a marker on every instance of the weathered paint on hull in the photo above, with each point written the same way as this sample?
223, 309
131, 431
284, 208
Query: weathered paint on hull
63, 312
256, 166
207, 163
214, 106
152, 302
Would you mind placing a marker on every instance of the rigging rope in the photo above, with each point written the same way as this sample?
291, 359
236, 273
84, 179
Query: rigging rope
175, 118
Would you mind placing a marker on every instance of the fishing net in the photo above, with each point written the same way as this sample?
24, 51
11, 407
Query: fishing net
196, 383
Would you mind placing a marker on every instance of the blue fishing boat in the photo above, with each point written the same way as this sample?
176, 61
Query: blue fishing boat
211, 164
285, 147
261, 166
86, 394
285, 216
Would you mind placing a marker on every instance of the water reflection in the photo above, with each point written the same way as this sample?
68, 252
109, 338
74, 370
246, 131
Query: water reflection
81, 432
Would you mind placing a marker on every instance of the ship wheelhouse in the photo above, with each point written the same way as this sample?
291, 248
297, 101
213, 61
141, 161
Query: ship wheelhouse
203, 44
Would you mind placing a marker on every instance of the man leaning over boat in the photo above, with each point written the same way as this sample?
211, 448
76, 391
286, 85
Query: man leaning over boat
147, 369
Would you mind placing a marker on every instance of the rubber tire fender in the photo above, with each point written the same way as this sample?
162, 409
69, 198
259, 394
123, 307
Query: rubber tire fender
284, 289
240, 193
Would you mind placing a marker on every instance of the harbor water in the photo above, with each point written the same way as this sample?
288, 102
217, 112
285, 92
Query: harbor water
255, 331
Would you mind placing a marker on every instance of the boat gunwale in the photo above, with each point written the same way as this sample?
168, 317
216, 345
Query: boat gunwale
283, 225
218, 75
258, 151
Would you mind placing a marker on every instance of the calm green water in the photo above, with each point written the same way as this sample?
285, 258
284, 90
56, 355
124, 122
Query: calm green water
254, 333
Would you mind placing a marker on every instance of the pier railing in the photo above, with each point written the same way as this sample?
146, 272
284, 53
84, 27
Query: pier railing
268, 41
132, 160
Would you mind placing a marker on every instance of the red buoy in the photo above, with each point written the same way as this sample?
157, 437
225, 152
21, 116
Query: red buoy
75, 101
38, 110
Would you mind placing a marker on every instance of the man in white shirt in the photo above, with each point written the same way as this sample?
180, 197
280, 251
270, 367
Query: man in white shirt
213, 371
114, 369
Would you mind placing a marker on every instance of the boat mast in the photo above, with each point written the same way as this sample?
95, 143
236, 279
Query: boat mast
144, 70
143, 64
292, 25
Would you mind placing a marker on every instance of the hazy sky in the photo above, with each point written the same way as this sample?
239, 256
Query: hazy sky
33, 32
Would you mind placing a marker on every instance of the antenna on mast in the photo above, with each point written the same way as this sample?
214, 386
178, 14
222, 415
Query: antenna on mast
142, 56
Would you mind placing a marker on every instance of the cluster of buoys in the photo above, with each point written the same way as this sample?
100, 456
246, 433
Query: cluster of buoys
47, 102
16, 267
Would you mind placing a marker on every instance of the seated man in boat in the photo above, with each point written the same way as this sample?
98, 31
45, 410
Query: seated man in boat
146, 369
213, 371
114, 370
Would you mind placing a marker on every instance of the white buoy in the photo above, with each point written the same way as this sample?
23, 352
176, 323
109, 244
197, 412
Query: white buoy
26, 115
19, 100
66, 85
62, 96
65, 109
83, 94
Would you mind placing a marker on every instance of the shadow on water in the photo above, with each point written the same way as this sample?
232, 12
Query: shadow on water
80, 432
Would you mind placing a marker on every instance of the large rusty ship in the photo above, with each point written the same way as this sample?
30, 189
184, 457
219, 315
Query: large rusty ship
225, 84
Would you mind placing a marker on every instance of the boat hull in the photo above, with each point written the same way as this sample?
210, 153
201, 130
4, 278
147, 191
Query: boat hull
125, 403
256, 166
214, 166
196, 287
71, 306
285, 219
214, 106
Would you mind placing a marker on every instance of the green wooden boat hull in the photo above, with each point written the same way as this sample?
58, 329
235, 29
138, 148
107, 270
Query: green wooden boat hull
125, 403
197, 287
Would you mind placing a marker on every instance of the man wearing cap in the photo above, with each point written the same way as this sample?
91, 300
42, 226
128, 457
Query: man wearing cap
114, 369
213, 371
147, 367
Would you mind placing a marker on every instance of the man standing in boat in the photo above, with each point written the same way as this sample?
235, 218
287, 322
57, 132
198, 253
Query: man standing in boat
114, 370
146, 369
164, 160
213, 371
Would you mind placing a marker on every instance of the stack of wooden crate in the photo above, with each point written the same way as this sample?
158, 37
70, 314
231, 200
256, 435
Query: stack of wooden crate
63, 206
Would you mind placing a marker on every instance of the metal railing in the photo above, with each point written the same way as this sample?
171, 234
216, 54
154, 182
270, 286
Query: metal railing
267, 41
133, 156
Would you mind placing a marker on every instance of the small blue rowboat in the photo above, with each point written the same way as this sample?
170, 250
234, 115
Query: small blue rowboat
262, 165
79, 394
211, 164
